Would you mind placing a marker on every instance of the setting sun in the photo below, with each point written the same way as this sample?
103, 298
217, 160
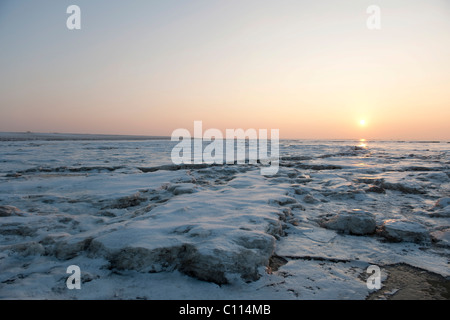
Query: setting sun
362, 122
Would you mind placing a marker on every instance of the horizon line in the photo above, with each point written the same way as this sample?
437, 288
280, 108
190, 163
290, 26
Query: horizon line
28, 135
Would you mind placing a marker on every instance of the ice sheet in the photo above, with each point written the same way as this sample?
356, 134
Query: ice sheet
140, 228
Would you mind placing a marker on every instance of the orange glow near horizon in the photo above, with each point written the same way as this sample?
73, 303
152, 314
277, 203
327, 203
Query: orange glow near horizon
285, 66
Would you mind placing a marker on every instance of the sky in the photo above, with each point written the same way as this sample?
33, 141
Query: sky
312, 69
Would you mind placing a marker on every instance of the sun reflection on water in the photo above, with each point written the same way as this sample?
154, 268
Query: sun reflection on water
362, 143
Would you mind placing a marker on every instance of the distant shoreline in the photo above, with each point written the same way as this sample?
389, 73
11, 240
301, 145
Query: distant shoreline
31, 136
27, 136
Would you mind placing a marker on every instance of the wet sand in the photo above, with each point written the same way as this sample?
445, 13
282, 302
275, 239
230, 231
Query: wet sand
405, 282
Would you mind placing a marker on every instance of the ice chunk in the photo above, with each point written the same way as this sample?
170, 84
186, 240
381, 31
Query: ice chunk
204, 254
376, 189
283, 200
442, 203
127, 201
357, 222
6, 211
181, 188
441, 237
310, 199
17, 229
27, 249
398, 230
70, 248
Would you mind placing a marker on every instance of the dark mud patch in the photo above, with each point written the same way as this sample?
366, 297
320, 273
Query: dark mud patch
405, 282
275, 262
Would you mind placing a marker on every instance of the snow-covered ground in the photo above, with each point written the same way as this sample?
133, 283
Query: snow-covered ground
140, 228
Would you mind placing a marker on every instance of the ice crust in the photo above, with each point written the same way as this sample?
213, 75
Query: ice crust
141, 228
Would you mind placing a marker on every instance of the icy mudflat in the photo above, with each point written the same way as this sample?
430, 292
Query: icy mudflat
140, 228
